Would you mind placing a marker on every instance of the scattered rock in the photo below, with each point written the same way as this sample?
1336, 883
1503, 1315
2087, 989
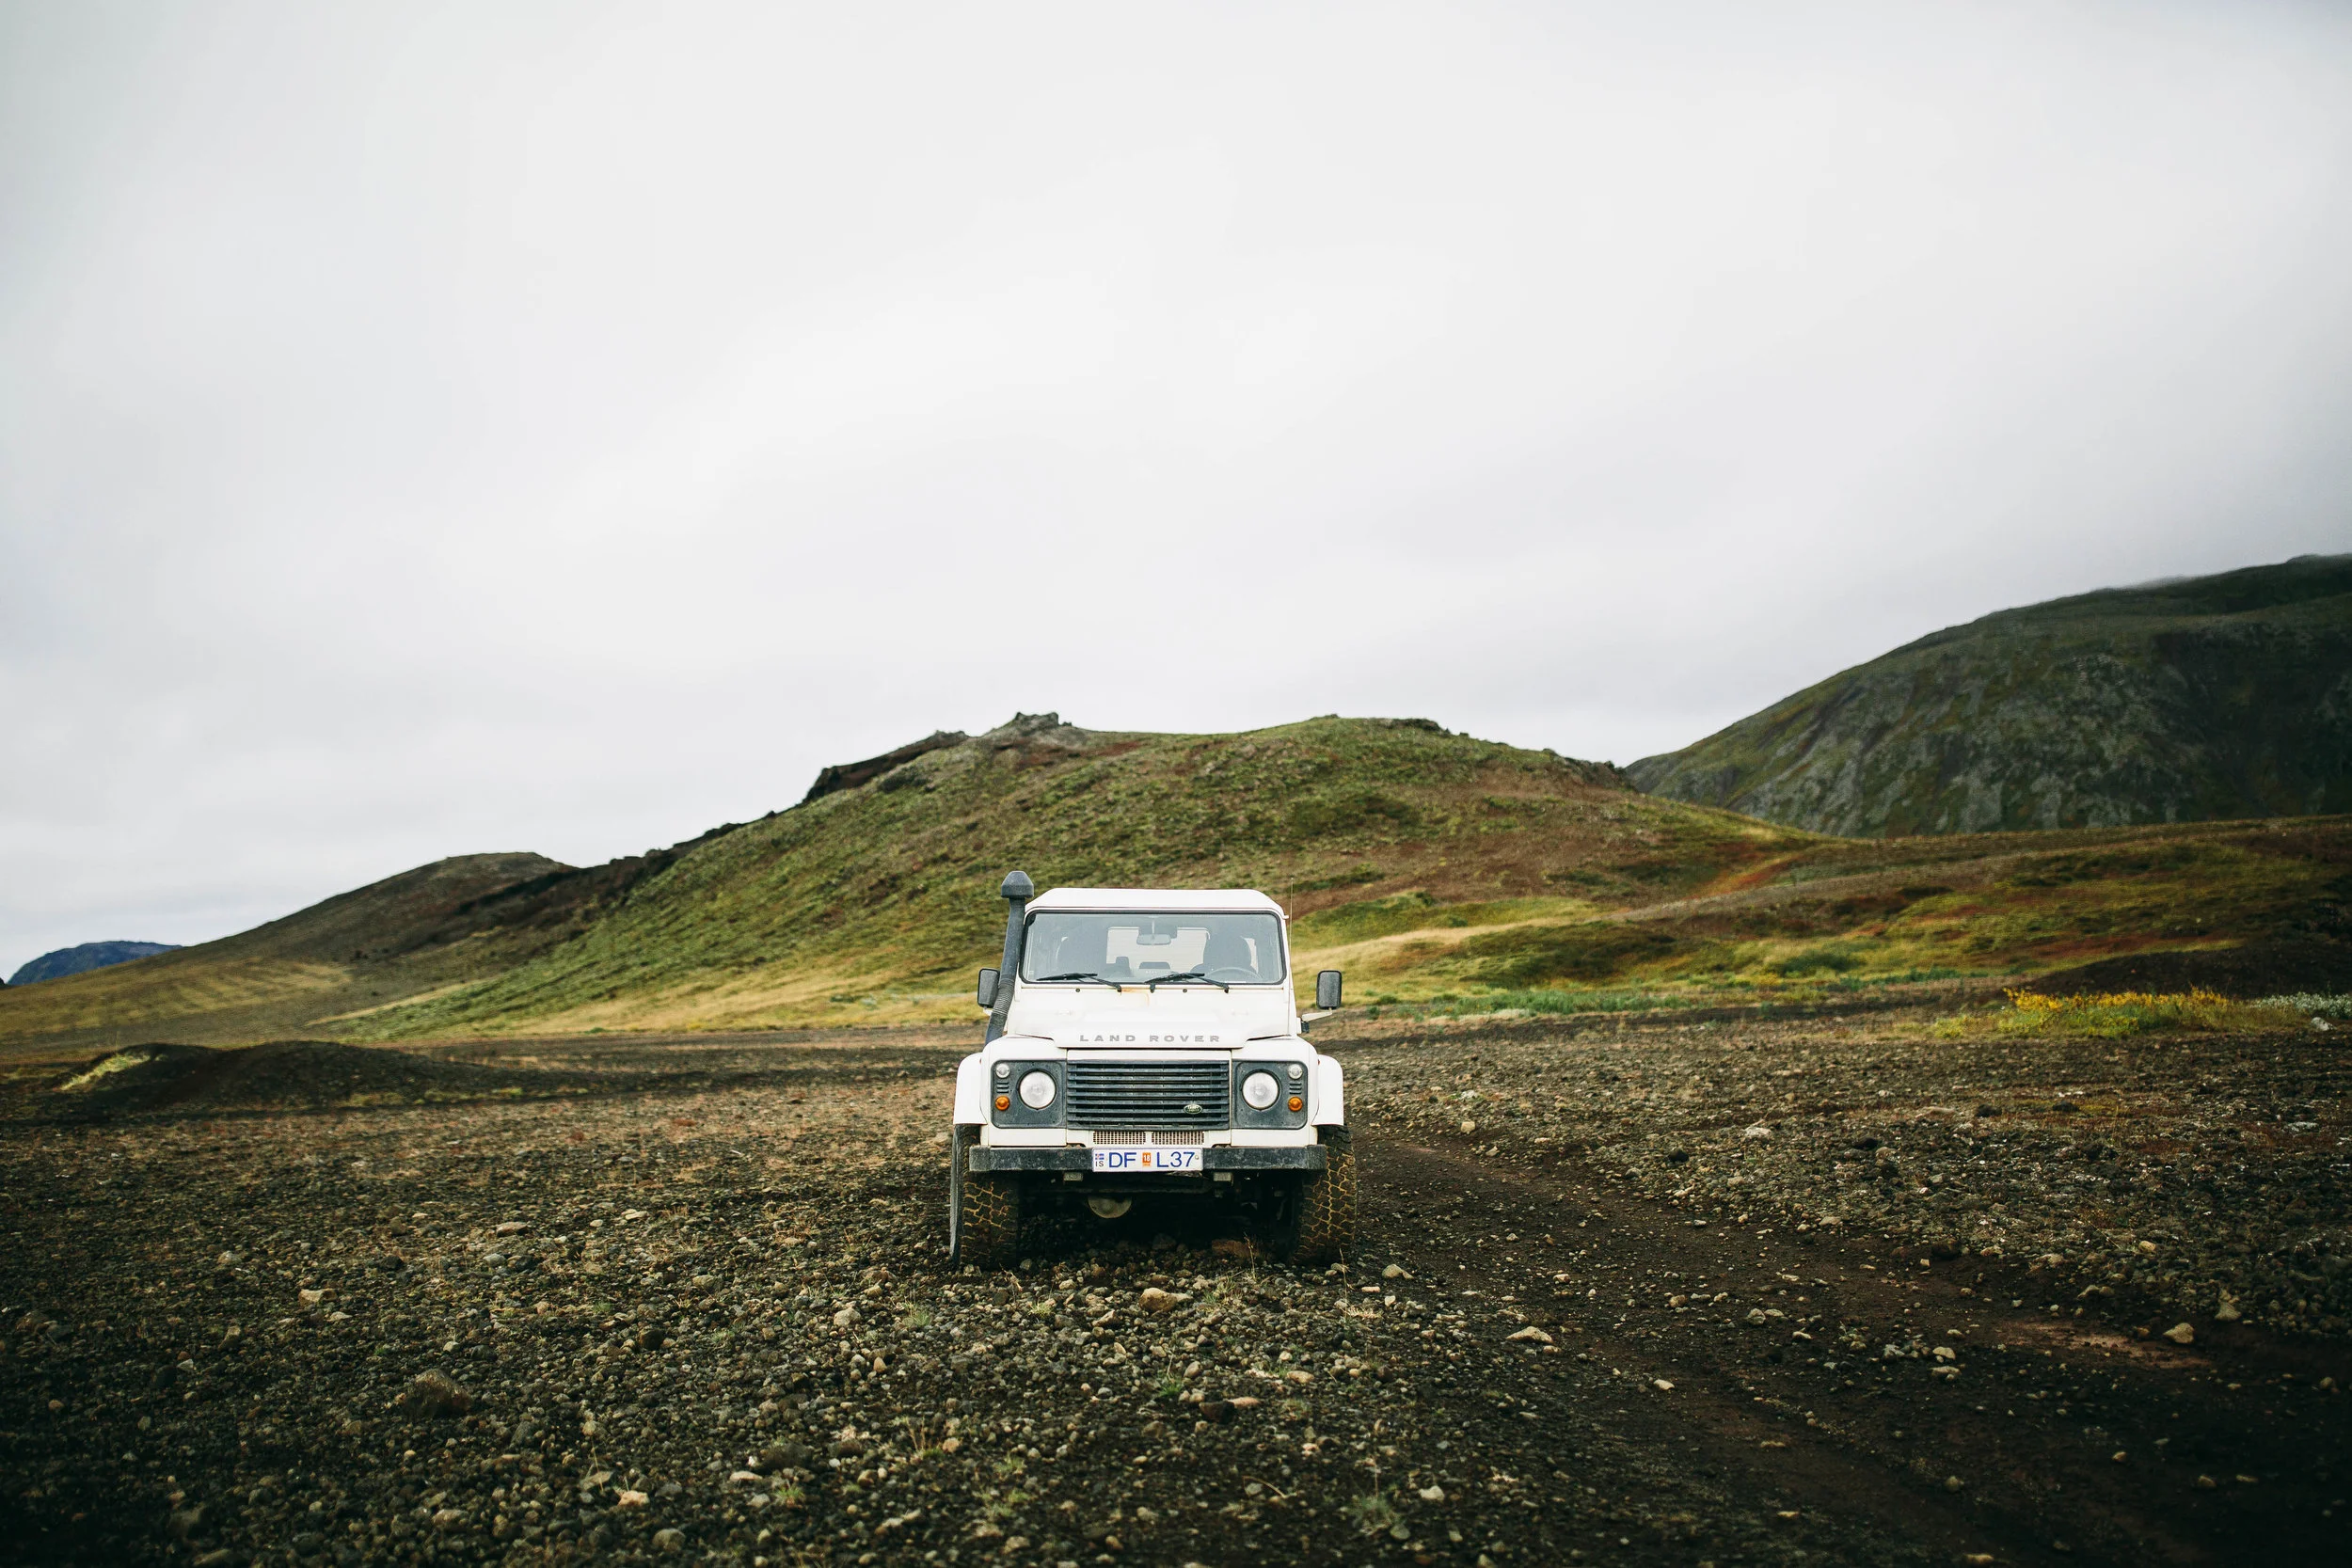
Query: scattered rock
433, 1394
2181, 1334
728, 1308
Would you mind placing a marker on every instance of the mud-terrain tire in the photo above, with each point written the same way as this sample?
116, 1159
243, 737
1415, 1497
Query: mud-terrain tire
983, 1212
1325, 1205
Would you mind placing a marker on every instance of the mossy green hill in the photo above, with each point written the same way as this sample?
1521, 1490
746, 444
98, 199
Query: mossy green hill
1436, 868
2203, 699
876, 902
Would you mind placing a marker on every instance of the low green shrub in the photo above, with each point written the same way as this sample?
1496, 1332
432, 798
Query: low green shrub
1828, 960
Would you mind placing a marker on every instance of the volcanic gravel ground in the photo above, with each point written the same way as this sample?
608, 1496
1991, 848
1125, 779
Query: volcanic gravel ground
687, 1304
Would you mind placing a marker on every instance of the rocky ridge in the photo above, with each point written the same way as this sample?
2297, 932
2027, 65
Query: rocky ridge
2208, 698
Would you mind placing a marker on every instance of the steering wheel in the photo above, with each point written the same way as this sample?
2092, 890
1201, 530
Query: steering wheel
1231, 973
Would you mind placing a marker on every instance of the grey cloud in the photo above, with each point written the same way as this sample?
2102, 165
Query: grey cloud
429, 429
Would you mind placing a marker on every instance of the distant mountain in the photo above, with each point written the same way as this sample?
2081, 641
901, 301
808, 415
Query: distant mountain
90, 955
2188, 700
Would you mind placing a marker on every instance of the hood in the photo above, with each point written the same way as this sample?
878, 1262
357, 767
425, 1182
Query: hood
1179, 1016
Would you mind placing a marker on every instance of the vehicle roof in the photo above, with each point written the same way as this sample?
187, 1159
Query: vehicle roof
1235, 898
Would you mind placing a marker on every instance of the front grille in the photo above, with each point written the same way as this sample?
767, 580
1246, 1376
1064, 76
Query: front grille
1148, 1094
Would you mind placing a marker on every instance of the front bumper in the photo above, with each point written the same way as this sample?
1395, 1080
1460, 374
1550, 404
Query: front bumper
1216, 1157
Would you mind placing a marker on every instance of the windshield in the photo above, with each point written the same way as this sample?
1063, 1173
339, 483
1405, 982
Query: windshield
1228, 949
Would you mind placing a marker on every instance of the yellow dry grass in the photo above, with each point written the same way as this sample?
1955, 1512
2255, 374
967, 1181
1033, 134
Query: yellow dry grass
131, 996
2116, 1014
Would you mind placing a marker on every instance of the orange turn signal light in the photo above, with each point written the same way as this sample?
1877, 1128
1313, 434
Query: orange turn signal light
1297, 1104
1004, 1102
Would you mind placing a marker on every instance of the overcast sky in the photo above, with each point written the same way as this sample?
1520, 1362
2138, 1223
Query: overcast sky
429, 429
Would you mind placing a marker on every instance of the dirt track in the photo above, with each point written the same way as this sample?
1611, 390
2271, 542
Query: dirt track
715, 1326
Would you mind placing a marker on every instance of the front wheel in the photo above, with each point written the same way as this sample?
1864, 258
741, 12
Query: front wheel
1324, 1208
983, 1210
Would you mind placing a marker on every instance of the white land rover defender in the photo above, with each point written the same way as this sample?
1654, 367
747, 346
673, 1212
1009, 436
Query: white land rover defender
1145, 1042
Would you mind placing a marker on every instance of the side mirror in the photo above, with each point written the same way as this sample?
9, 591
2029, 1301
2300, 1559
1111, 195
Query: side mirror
986, 995
1327, 990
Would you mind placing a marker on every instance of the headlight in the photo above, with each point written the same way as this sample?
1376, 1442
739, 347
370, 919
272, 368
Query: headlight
1258, 1090
1037, 1090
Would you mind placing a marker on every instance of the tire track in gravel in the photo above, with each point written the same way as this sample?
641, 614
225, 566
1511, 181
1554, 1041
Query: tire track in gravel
1825, 1433
1709, 1417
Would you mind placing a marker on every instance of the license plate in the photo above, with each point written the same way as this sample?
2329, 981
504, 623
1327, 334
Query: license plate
1148, 1162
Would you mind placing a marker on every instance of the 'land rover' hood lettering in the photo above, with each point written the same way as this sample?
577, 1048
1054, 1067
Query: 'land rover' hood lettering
1146, 1040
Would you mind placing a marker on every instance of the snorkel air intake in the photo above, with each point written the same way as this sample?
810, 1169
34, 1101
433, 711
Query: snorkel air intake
1015, 892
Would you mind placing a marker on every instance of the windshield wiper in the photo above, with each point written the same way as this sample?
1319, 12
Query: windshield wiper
1076, 975
1194, 976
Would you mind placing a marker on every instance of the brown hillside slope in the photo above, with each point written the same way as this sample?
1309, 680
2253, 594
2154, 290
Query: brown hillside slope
455, 920
395, 937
